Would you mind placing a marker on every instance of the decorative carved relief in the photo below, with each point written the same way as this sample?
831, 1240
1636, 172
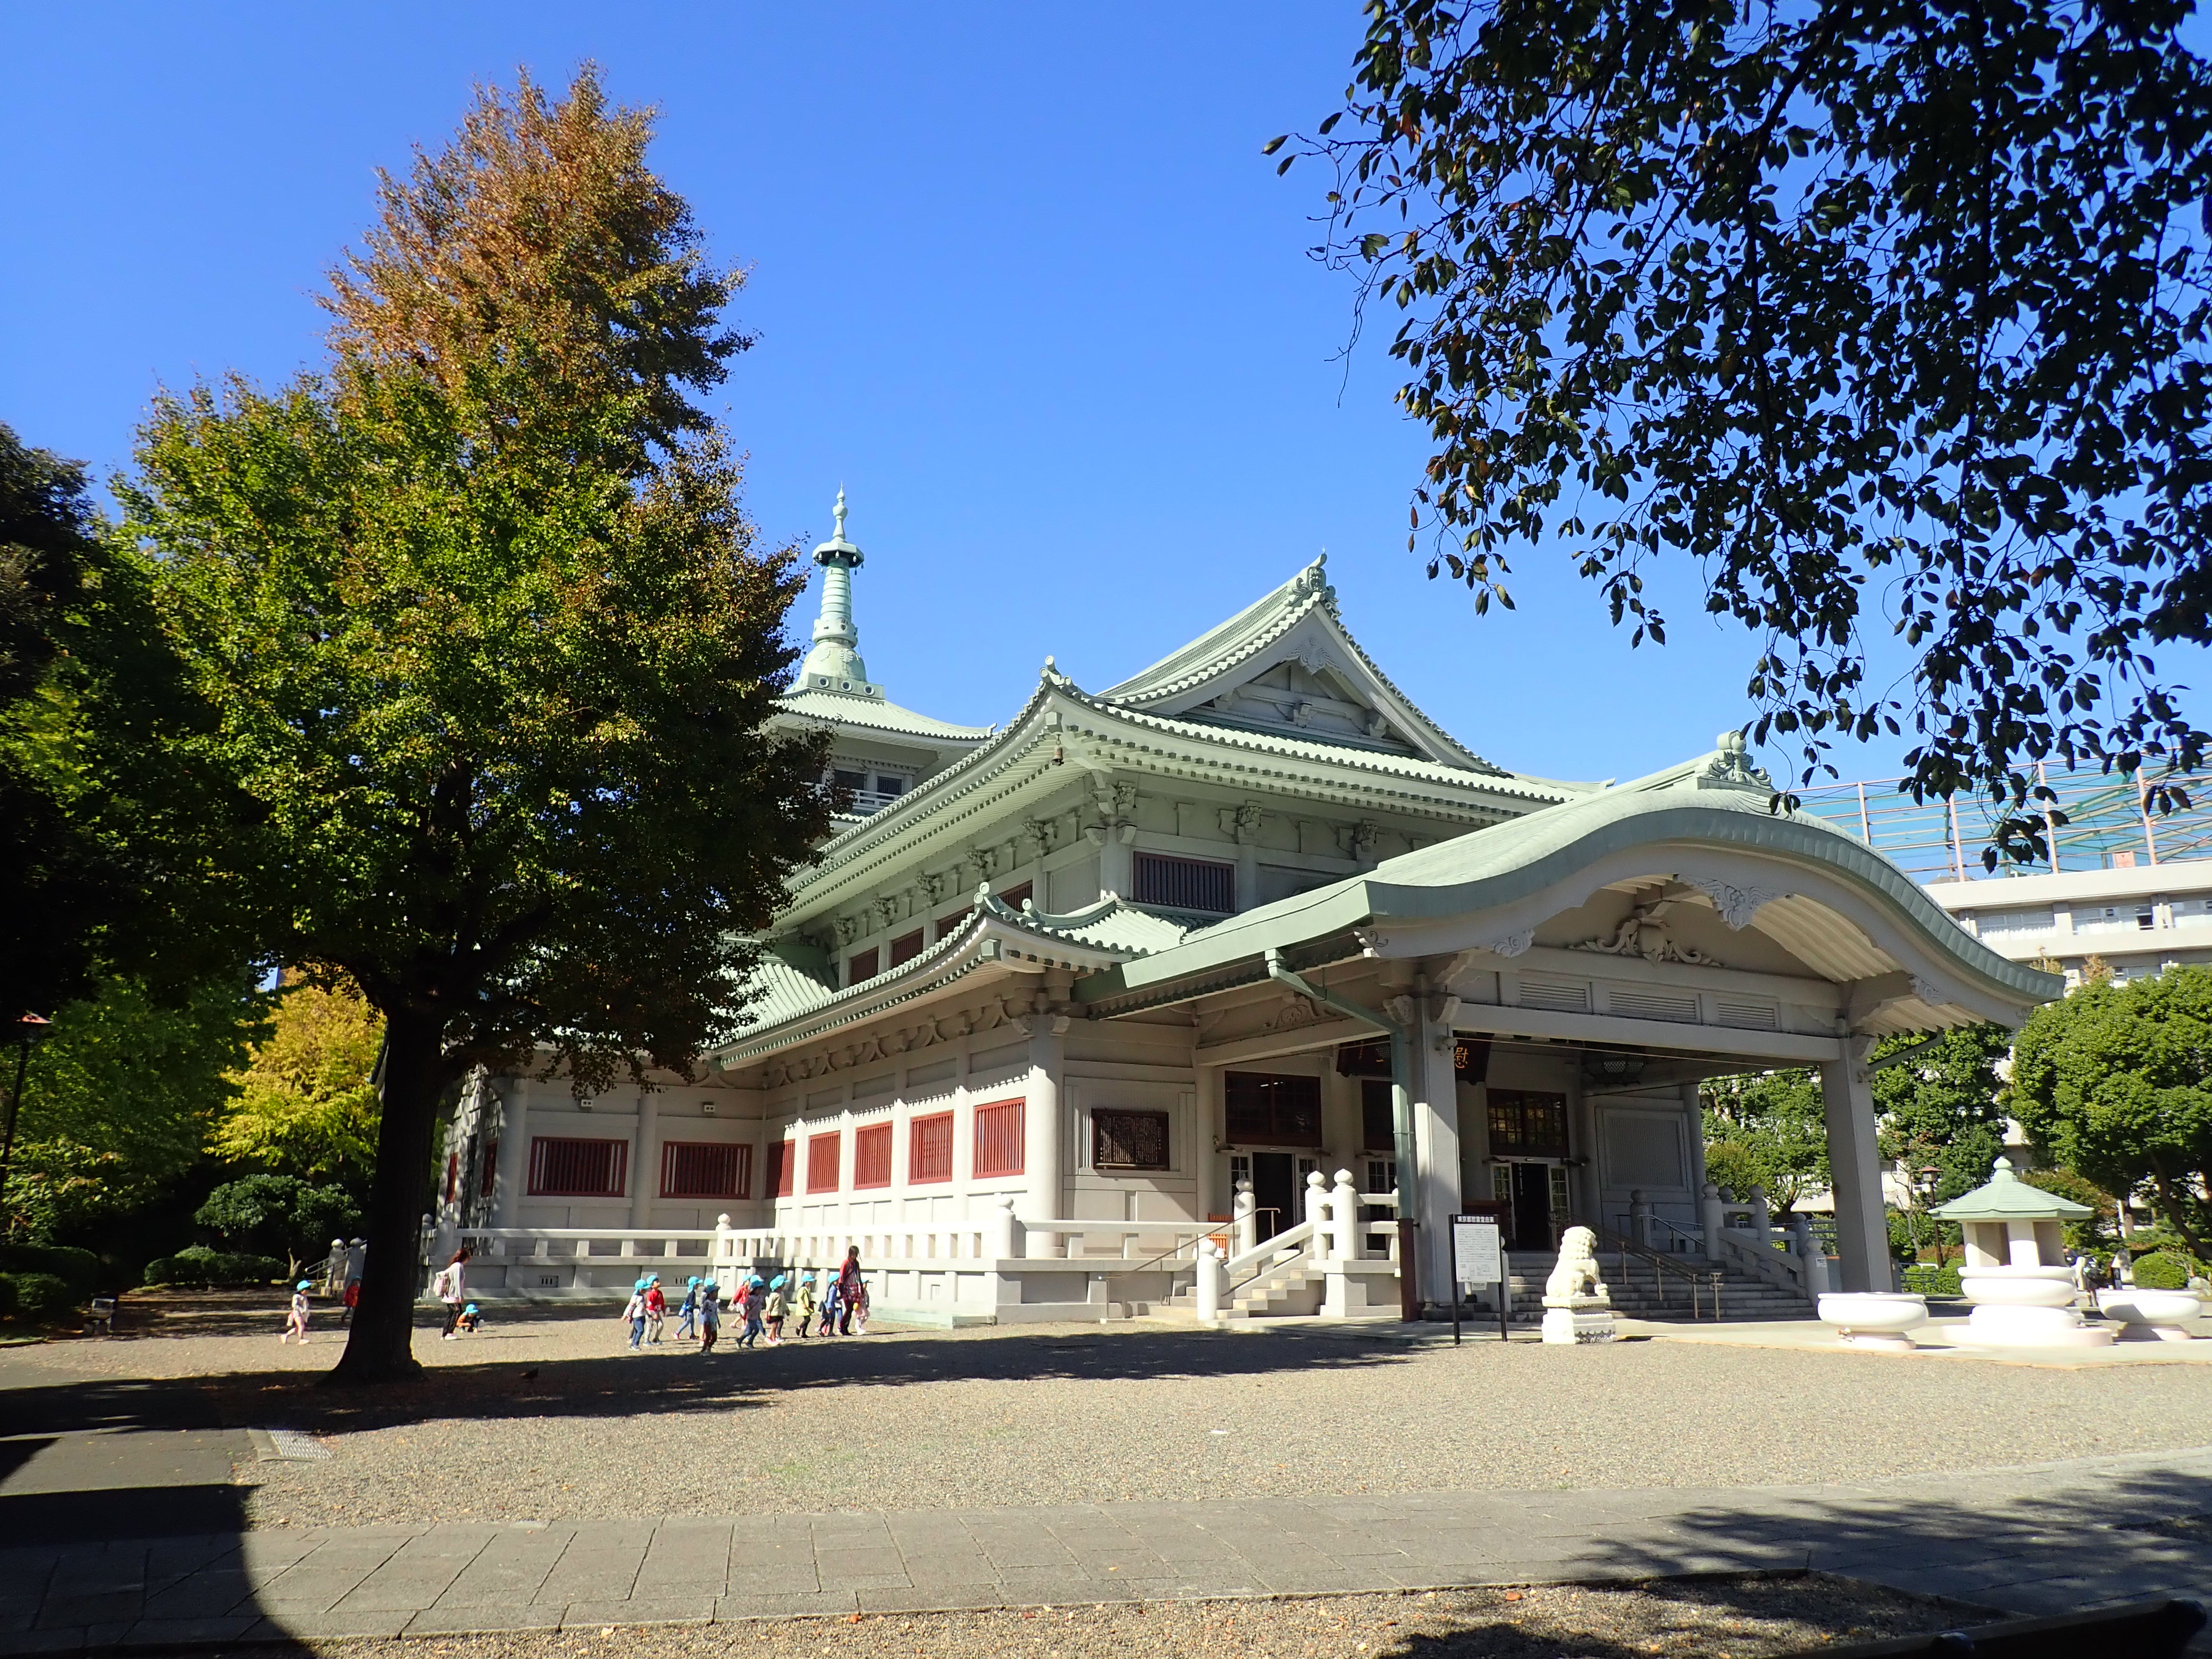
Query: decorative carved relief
1508, 944
848, 929
1643, 932
1241, 822
1731, 764
1737, 905
1296, 1011
1360, 839
939, 886
889, 908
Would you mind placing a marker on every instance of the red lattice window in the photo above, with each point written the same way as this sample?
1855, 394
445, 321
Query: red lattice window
1014, 898
453, 1176
929, 1148
577, 1168
998, 1138
860, 968
690, 1169
906, 947
782, 1166
489, 1177
822, 1154
872, 1155
948, 926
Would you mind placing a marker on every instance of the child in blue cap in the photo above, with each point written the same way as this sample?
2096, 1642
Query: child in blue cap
296, 1323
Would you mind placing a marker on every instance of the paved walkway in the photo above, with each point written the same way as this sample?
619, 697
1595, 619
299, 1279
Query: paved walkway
2045, 1539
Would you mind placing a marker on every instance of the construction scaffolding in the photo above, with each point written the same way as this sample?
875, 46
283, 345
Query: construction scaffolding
2107, 826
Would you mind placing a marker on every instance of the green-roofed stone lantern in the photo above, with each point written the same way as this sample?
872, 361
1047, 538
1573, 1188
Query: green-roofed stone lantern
2009, 1223
2016, 1274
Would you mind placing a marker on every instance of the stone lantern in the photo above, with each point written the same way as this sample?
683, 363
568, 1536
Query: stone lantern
2016, 1274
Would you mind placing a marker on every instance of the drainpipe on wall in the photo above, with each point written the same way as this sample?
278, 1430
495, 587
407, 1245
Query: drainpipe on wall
1401, 1122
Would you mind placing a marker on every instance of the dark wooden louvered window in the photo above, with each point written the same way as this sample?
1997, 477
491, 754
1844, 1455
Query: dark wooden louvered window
1261, 1109
487, 1179
861, 966
1129, 1140
929, 1148
1378, 1123
706, 1170
1014, 898
906, 947
948, 926
1184, 883
782, 1166
577, 1168
999, 1140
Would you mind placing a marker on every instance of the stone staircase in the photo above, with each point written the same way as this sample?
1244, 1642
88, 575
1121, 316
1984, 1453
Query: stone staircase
1742, 1296
1282, 1292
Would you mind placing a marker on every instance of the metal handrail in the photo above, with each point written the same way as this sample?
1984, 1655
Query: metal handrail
1627, 1248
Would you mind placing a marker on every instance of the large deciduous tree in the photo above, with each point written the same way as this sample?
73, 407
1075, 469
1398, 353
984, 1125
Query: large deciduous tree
1891, 317
1767, 1129
306, 1105
2115, 1081
489, 642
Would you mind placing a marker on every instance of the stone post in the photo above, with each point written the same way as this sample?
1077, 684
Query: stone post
1344, 1217
1000, 1238
1762, 1218
1433, 1187
511, 1175
1639, 1217
724, 1252
334, 1269
1811, 1257
1209, 1281
1244, 1219
1712, 1219
1861, 1227
1317, 1213
644, 1169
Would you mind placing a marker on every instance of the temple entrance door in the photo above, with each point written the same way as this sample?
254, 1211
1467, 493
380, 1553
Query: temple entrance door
1532, 1207
1274, 1188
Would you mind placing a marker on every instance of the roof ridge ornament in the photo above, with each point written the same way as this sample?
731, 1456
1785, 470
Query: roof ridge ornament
833, 663
1729, 766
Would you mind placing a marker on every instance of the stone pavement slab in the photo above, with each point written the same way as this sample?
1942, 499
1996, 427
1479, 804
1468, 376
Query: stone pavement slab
2028, 1538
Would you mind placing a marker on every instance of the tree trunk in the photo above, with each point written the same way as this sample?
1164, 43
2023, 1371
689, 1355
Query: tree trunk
380, 1345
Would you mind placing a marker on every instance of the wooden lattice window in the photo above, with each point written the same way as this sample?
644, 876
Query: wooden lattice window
1184, 883
706, 1170
782, 1168
487, 1179
453, 1176
929, 1148
862, 967
999, 1140
1129, 1140
1528, 1123
823, 1152
561, 1168
948, 926
906, 947
1014, 898
1262, 1110
872, 1155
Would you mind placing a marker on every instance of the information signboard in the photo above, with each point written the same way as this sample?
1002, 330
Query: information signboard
1478, 1250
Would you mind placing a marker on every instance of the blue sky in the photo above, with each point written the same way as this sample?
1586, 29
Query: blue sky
1023, 284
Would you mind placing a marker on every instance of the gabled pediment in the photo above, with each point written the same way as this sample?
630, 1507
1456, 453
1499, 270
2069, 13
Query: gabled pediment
1287, 664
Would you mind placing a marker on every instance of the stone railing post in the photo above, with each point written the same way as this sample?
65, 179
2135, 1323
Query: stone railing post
1713, 1219
1243, 1219
724, 1249
334, 1269
1344, 1216
1316, 1213
1209, 1281
1639, 1217
1762, 1218
1812, 1259
998, 1238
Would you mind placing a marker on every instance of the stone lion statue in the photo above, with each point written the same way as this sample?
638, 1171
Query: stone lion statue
1575, 1278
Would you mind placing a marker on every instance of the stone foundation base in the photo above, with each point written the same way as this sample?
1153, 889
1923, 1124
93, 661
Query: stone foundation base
1571, 1325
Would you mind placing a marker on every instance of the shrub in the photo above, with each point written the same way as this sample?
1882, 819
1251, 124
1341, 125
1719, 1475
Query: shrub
41, 1297
2159, 1271
198, 1267
77, 1268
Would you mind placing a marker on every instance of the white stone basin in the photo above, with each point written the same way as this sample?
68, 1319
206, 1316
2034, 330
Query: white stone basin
2018, 1287
1874, 1319
2152, 1314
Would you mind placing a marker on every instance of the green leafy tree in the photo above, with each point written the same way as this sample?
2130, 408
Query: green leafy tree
487, 643
1943, 1108
118, 1100
1832, 301
279, 1215
305, 1105
1768, 1130
2115, 1082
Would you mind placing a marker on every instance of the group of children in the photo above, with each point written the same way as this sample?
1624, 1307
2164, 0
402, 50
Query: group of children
762, 1308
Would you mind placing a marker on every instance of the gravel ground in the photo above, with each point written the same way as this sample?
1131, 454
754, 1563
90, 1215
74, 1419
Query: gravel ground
547, 1418
1710, 1619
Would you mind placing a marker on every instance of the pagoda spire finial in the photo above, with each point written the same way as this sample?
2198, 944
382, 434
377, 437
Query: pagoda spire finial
834, 662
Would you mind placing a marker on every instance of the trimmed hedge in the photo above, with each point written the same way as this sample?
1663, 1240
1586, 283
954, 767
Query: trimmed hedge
38, 1296
2161, 1271
77, 1268
198, 1267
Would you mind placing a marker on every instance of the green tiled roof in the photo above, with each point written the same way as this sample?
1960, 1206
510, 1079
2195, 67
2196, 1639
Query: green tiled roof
2008, 1198
888, 717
